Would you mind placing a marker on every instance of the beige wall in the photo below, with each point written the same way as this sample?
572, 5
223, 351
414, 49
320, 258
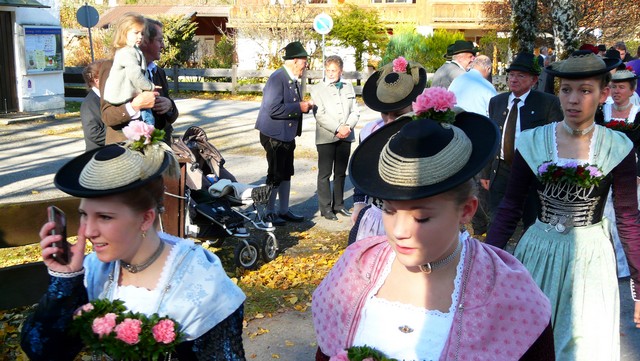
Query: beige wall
460, 15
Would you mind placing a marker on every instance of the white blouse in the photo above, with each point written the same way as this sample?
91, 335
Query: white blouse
140, 299
404, 331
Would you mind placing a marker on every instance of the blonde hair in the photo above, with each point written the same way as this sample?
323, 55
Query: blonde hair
122, 27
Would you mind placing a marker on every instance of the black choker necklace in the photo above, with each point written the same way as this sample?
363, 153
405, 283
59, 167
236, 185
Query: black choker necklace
429, 267
577, 132
135, 268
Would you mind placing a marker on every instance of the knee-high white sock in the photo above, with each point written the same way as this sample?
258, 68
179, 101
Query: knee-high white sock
283, 196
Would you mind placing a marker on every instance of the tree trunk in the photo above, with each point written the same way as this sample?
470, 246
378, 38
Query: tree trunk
564, 14
524, 16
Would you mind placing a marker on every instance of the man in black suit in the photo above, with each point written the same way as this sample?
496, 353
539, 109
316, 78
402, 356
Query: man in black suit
519, 109
92, 125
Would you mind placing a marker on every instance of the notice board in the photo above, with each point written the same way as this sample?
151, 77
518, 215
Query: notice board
43, 48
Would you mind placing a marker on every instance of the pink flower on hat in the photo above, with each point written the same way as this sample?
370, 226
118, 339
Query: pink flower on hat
138, 129
400, 65
164, 332
129, 331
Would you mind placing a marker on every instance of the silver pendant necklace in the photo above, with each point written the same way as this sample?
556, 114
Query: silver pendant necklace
135, 268
430, 266
577, 132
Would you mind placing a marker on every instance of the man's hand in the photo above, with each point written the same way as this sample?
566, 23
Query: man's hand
162, 105
484, 183
305, 107
343, 131
144, 100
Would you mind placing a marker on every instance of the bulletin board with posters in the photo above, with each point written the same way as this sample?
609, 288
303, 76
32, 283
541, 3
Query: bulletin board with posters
43, 48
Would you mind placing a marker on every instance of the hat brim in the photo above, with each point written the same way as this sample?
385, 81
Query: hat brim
473, 51
295, 56
523, 69
67, 179
370, 97
363, 168
609, 65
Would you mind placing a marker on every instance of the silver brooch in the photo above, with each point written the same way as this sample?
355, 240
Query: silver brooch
405, 329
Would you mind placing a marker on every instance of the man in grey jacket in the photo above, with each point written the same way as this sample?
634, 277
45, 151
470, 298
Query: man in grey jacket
462, 54
336, 113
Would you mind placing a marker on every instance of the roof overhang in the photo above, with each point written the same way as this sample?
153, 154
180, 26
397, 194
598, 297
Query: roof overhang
23, 4
115, 13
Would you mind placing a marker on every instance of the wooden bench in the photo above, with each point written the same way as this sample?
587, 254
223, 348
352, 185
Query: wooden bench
24, 284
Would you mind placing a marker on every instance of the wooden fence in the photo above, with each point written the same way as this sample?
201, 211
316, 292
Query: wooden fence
232, 80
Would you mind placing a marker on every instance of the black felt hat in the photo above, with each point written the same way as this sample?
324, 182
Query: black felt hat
109, 170
461, 46
388, 90
294, 50
525, 62
423, 157
582, 64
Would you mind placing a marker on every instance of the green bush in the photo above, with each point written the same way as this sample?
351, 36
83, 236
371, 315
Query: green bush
428, 51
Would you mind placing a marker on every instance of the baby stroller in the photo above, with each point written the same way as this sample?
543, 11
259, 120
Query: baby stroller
218, 207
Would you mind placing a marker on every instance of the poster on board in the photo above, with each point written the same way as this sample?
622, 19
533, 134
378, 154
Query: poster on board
43, 48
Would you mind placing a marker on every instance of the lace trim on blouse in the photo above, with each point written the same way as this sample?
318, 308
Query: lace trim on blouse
140, 299
562, 161
405, 331
607, 111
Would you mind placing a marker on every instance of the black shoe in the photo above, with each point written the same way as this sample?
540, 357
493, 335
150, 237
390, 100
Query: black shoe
292, 217
274, 219
330, 216
344, 212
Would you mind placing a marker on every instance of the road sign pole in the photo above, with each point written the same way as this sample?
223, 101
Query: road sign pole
323, 57
86, 11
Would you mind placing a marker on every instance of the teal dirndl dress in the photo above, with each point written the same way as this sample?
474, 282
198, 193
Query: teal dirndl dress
568, 250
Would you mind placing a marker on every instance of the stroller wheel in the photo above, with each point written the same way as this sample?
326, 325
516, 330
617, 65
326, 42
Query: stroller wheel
269, 247
246, 254
217, 242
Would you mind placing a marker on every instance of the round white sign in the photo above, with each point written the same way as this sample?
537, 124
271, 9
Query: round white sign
323, 24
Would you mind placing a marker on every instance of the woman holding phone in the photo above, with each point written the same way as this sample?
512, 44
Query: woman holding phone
121, 190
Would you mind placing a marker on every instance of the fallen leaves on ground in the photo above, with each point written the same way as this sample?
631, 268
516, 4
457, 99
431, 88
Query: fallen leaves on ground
285, 283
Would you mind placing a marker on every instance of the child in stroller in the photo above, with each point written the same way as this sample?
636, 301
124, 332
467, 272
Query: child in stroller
219, 207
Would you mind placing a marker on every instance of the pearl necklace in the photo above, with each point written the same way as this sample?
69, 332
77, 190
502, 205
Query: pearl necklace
577, 132
135, 268
430, 266
621, 108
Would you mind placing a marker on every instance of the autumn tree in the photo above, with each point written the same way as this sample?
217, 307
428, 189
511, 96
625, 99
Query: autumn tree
524, 16
273, 26
612, 20
359, 28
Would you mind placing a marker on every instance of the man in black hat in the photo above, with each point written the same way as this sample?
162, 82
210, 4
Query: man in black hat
519, 109
279, 122
462, 54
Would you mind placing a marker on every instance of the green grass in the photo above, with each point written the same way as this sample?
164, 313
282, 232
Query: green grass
72, 107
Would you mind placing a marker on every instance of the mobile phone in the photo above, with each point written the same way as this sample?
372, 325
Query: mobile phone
55, 214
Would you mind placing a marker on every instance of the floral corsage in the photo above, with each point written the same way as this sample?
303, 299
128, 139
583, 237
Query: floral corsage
582, 175
361, 353
107, 327
141, 134
620, 125
435, 103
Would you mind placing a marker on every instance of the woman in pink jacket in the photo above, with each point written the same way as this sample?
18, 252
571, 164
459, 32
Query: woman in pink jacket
425, 291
